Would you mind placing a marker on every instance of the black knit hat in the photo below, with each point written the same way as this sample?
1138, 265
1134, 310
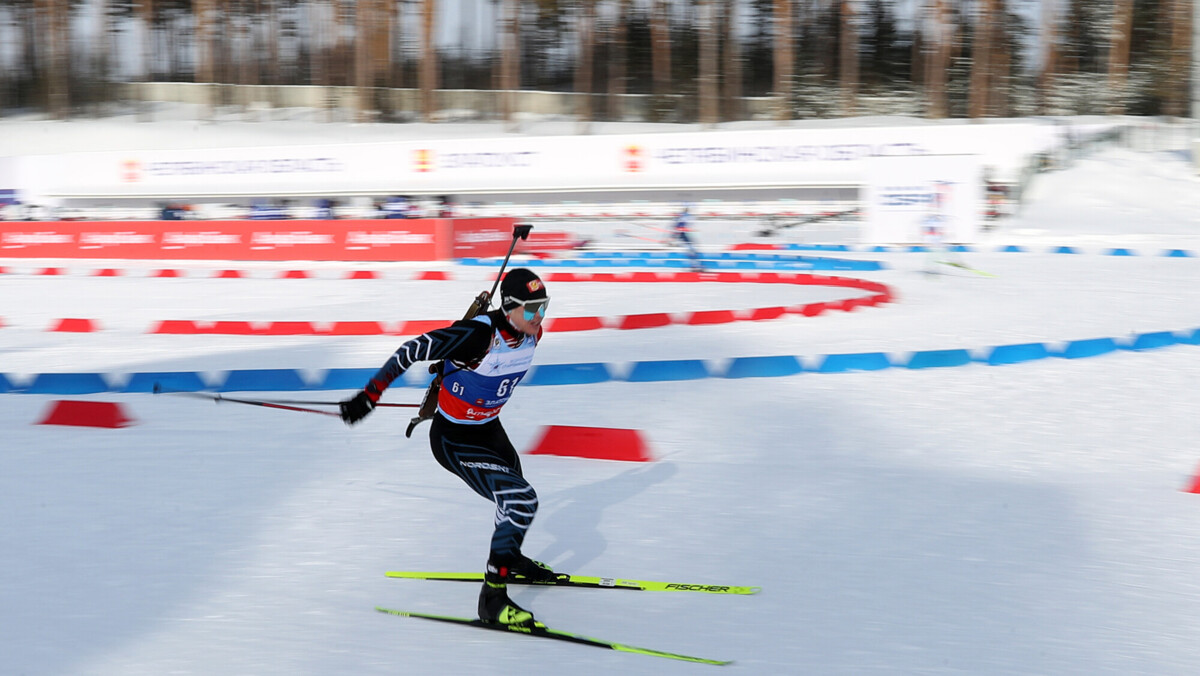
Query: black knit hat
520, 285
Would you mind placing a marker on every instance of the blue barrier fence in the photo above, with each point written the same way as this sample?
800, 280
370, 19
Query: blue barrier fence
771, 366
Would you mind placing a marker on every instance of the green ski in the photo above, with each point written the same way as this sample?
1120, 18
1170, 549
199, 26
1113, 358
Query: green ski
542, 631
584, 581
968, 268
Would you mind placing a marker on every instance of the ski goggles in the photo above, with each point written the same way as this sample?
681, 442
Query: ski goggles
534, 308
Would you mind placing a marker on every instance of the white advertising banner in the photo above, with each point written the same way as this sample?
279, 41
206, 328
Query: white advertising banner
768, 158
932, 199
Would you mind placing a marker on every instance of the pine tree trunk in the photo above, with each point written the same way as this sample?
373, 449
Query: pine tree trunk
333, 66
849, 60
1181, 50
708, 62
981, 62
583, 74
921, 11
733, 64
617, 62
940, 42
510, 53
1118, 54
58, 59
364, 19
274, 67
660, 51
784, 58
1049, 57
429, 67
205, 54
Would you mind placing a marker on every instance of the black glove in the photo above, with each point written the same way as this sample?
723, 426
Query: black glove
357, 407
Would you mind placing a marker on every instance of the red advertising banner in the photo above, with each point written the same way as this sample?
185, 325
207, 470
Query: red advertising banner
482, 237
348, 240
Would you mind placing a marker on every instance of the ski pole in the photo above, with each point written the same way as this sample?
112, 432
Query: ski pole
306, 402
520, 231
217, 398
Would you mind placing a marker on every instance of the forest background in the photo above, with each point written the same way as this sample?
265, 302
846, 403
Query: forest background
706, 61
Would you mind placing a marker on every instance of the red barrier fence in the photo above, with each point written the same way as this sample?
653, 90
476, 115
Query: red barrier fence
349, 240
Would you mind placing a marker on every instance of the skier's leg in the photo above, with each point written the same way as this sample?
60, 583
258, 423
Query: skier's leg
483, 457
485, 460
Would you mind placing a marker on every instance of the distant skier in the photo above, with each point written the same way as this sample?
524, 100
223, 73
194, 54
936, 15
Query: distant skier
484, 359
683, 233
933, 229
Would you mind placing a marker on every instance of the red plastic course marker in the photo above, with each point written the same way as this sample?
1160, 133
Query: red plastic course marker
432, 275
288, 329
598, 443
233, 327
573, 324
356, 329
87, 414
75, 326
418, 326
1194, 486
646, 321
175, 326
711, 317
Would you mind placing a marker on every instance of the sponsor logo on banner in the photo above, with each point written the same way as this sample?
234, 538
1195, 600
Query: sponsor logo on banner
426, 160
783, 153
363, 240
292, 238
483, 237
902, 196
20, 240
180, 240
936, 195
488, 160
95, 240
633, 158
422, 160
131, 171
135, 171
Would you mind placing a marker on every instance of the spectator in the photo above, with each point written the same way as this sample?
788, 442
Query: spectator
171, 212
396, 206
325, 209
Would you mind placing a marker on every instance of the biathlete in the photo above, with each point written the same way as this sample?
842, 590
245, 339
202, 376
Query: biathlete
683, 232
483, 360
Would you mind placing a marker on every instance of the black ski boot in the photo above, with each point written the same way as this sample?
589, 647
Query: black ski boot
533, 571
494, 605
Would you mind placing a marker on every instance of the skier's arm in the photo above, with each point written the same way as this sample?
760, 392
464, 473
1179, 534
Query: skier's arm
461, 340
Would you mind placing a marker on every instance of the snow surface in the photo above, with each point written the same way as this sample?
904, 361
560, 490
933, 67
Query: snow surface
1022, 519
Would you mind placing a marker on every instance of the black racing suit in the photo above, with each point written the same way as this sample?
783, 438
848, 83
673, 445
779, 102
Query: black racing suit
479, 453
